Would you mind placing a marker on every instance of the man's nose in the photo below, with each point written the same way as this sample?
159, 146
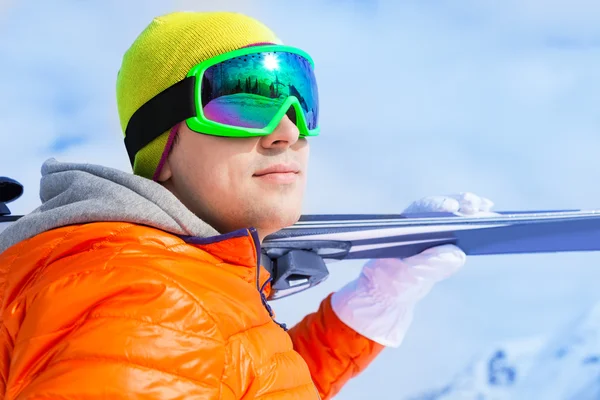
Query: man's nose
285, 135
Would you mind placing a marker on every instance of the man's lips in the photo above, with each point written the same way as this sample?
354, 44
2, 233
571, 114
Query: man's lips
279, 173
290, 168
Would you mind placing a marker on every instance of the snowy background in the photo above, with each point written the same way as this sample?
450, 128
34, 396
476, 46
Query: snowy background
418, 98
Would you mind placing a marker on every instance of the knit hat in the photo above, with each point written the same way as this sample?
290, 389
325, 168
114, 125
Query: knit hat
164, 53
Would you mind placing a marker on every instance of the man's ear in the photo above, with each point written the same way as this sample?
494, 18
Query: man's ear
165, 172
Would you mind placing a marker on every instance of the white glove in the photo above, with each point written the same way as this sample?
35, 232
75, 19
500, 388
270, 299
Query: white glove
379, 304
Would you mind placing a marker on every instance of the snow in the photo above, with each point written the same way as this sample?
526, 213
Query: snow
563, 366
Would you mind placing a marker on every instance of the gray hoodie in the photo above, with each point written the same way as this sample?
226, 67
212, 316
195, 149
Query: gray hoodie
74, 193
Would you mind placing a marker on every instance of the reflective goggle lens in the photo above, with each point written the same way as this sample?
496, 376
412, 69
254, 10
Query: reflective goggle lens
248, 91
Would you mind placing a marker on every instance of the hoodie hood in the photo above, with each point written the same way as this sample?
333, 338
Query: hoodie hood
73, 193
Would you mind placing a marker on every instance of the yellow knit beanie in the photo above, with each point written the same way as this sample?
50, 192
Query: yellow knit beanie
164, 53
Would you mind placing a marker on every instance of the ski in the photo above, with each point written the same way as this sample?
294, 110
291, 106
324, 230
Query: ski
339, 237
365, 236
10, 190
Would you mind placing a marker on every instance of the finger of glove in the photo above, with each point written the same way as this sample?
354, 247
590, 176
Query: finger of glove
471, 204
433, 204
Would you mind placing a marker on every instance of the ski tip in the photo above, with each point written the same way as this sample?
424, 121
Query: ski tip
10, 190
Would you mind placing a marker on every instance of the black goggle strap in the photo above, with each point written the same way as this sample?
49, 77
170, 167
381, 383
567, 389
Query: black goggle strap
159, 114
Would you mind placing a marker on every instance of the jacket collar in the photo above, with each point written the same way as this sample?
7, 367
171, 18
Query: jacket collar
242, 248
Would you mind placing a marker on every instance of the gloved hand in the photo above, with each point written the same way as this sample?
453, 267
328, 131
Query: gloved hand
379, 304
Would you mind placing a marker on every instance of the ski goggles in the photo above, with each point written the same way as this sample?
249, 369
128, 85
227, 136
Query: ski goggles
242, 93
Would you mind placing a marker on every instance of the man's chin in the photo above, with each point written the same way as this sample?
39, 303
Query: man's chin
276, 220
284, 220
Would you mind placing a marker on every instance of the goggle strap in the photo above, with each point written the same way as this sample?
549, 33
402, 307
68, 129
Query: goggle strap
168, 108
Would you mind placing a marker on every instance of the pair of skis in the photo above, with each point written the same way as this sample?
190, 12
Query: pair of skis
340, 237
297, 255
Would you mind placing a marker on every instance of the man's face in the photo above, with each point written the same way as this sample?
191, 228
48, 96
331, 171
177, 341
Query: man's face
234, 183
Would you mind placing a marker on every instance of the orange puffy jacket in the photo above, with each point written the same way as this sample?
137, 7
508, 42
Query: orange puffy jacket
121, 310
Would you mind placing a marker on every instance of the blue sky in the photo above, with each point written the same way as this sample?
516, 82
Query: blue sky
418, 98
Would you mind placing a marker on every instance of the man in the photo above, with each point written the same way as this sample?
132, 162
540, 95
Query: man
150, 285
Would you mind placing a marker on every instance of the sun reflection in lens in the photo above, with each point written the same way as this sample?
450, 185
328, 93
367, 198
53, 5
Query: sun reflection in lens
271, 62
